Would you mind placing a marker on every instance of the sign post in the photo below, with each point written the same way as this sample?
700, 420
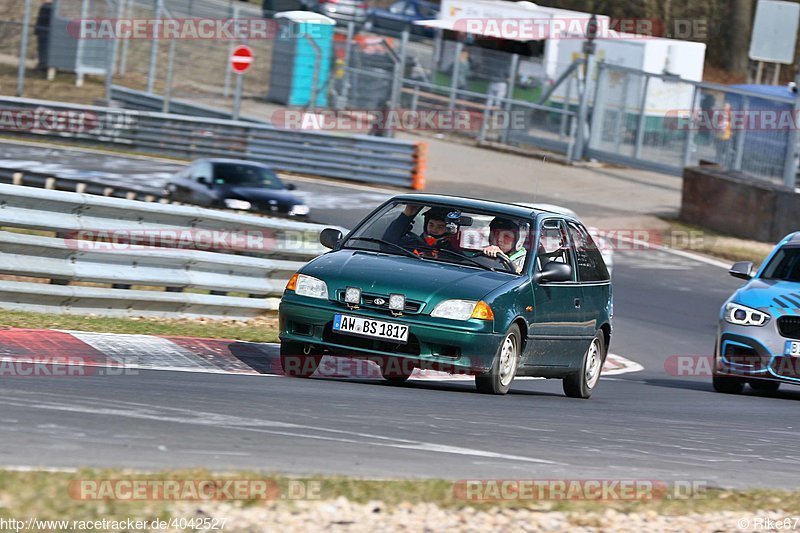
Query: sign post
241, 59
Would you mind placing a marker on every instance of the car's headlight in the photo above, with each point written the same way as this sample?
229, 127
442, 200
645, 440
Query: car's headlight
299, 210
463, 310
233, 203
308, 286
745, 316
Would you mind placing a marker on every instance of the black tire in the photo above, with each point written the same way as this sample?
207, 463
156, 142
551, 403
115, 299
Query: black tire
498, 380
764, 386
396, 371
295, 363
727, 385
583, 383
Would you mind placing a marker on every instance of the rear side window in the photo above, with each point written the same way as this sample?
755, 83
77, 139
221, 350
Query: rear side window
553, 246
591, 266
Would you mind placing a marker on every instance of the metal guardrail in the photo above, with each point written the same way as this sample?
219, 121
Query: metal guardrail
156, 258
360, 158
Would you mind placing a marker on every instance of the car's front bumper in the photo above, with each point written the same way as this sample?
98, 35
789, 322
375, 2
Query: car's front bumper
755, 352
464, 347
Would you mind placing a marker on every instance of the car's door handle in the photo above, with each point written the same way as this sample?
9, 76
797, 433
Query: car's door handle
577, 303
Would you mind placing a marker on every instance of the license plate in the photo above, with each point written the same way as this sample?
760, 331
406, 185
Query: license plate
370, 328
792, 348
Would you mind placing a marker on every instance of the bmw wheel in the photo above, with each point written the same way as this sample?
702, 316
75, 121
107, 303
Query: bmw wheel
728, 385
504, 367
582, 384
764, 385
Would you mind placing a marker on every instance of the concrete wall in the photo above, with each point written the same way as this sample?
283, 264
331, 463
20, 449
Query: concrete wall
734, 204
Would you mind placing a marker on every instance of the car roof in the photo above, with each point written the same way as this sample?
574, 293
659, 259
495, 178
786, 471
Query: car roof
793, 240
233, 161
477, 204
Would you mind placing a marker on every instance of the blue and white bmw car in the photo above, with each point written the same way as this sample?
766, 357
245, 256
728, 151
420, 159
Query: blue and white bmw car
759, 329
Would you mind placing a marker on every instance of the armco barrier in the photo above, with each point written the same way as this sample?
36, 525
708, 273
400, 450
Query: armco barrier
245, 266
360, 158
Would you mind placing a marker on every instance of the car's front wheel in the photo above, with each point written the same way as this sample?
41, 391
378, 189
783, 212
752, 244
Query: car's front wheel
764, 386
504, 367
583, 383
727, 385
295, 362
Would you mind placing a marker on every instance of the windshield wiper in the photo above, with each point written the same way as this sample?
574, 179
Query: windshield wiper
387, 243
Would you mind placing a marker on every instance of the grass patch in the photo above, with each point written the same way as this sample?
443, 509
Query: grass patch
682, 236
49, 495
261, 329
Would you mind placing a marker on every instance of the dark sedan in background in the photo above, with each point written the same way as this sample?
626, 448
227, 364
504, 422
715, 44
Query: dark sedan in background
235, 184
402, 15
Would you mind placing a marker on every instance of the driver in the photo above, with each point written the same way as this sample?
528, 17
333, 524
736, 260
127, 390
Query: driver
504, 239
441, 225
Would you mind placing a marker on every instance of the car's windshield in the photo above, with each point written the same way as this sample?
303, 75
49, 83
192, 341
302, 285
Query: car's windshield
491, 241
785, 265
248, 175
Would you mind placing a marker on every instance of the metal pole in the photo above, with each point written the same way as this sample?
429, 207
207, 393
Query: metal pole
512, 84
23, 49
740, 137
622, 113
237, 96
170, 74
112, 57
79, 52
228, 68
583, 109
687, 148
399, 70
348, 50
315, 78
599, 111
123, 60
637, 152
790, 165
454, 82
151, 69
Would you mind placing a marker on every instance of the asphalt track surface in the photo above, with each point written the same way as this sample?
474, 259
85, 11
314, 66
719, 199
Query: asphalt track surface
647, 425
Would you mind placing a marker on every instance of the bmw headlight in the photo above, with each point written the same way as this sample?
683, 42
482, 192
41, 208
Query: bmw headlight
233, 203
299, 210
463, 310
309, 286
745, 316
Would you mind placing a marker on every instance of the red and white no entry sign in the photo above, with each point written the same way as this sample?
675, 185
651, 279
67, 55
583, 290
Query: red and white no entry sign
241, 58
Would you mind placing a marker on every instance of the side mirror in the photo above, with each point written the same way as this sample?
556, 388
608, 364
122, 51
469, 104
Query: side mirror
330, 237
742, 270
291, 186
554, 271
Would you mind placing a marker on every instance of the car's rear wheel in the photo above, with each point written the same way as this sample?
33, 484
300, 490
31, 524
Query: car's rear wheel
296, 362
727, 385
764, 385
504, 367
583, 383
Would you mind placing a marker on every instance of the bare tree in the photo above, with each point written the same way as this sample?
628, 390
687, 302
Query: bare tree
738, 31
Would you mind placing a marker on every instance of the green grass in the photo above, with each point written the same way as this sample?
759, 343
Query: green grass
263, 329
701, 240
47, 495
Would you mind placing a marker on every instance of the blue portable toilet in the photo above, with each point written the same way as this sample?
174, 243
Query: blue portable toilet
303, 45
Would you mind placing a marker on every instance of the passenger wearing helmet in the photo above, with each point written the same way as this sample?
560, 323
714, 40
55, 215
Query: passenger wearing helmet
504, 239
441, 226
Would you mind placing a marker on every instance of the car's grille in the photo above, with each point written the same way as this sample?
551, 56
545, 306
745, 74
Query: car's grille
740, 355
368, 301
411, 347
789, 326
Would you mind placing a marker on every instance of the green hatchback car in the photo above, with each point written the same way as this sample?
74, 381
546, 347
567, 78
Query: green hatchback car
459, 285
